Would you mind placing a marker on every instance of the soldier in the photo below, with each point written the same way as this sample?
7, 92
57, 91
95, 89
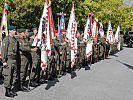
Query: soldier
68, 58
81, 51
52, 65
25, 55
9, 53
101, 49
1, 69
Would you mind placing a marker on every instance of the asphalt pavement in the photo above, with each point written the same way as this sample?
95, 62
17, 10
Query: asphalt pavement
109, 79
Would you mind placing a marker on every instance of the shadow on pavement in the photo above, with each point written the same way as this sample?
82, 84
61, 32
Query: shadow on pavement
51, 83
127, 65
114, 55
87, 67
73, 74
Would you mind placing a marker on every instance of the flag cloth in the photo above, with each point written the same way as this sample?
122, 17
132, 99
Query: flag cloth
69, 28
87, 30
101, 31
117, 34
89, 49
3, 27
51, 24
95, 28
70, 35
43, 38
88, 35
76, 40
62, 24
110, 36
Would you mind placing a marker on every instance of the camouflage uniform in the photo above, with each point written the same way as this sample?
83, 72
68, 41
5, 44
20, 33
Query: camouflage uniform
26, 60
9, 55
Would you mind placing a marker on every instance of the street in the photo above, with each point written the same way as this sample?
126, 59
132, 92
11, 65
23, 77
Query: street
109, 79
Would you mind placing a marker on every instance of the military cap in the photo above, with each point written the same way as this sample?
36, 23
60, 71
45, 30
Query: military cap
21, 30
30, 34
11, 28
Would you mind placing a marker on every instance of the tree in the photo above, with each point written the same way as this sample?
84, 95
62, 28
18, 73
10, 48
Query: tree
27, 13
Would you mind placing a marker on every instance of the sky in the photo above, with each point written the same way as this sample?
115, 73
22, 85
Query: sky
130, 2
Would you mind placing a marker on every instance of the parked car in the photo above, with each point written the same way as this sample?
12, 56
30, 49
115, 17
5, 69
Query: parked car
128, 39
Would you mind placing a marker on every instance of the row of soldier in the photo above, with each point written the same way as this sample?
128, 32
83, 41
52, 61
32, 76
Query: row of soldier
20, 59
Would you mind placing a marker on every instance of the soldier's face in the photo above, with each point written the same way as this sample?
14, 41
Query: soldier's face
12, 32
35, 31
25, 34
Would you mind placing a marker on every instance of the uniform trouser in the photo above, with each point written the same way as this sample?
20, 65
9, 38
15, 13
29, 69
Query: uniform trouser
68, 64
101, 51
34, 68
1, 69
24, 68
9, 73
51, 66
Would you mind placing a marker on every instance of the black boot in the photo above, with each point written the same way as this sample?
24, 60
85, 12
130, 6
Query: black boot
22, 88
13, 93
8, 94
33, 84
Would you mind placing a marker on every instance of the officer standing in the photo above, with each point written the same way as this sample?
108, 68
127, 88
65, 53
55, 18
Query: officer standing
9, 53
25, 55
35, 70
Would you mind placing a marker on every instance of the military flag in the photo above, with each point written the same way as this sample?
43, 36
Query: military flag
70, 35
62, 24
4, 26
88, 34
110, 36
76, 40
95, 28
101, 31
88, 27
88, 51
117, 34
87, 30
70, 25
43, 38
51, 24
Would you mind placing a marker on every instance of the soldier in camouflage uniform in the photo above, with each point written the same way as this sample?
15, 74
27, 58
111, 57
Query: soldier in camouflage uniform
81, 47
52, 65
1, 69
9, 55
62, 49
101, 48
68, 58
35, 57
25, 56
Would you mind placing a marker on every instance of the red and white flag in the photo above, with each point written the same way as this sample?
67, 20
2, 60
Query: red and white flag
101, 31
117, 34
110, 36
89, 49
3, 27
95, 28
87, 30
70, 25
70, 35
43, 38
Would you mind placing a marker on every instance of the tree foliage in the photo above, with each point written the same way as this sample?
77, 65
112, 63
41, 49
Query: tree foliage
27, 13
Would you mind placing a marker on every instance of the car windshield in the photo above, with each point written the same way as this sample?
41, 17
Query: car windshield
130, 33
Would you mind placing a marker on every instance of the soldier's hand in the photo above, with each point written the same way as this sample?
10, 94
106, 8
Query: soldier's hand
4, 64
34, 49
